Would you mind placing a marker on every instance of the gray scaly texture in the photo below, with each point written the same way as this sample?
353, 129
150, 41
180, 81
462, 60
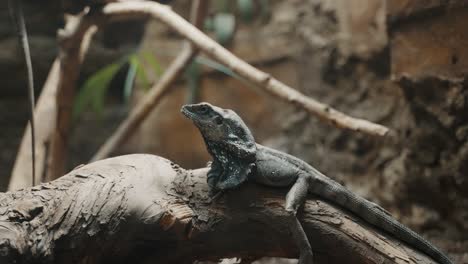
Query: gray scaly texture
235, 155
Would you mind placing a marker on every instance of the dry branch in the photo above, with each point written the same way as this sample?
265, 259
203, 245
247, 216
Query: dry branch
44, 115
145, 209
53, 109
74, 40
164, 14
147, 103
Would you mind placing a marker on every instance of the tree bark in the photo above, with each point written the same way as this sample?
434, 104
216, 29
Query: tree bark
143, 208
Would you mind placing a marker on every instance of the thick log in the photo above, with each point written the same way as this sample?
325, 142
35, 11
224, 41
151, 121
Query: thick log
142, 208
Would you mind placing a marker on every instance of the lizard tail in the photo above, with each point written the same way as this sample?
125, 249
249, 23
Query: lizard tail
374, 214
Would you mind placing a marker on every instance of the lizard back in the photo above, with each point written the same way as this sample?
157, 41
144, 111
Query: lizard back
370, 212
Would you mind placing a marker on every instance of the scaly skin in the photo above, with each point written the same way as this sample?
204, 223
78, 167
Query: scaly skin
235, 154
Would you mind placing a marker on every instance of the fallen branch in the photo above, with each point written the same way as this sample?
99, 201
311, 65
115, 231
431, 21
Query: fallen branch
145, 209
124, 10
148, 102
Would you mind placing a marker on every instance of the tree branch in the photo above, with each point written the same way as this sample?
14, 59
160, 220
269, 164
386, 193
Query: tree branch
263, 80
148, 102
137, 208
74, 40
44, 115
55, 100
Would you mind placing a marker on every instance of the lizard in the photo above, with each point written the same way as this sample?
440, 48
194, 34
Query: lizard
238, 158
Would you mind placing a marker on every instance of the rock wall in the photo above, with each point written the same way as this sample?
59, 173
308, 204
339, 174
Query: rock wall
403, 65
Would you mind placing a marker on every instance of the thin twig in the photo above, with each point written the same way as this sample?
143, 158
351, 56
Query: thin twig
17, 13
51, 131
157, 92
164, 14
45, 116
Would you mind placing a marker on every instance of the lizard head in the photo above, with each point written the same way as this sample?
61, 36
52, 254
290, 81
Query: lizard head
209, 119
219, 125
228, 140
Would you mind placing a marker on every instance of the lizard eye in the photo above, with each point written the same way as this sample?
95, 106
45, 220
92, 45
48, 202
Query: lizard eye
203, 109
218, 120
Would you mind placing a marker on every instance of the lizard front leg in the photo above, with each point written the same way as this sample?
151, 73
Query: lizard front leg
214, 174
213, 177
294, 199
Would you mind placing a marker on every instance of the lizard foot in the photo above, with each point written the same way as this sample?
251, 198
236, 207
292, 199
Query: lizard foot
306, 258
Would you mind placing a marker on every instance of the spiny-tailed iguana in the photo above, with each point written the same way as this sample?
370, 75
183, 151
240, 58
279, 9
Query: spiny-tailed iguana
236, 158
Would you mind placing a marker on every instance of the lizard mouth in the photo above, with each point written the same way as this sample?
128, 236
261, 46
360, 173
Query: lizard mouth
187, 113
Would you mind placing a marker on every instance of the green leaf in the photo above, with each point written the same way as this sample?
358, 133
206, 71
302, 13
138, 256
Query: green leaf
208, 24
129, 81
224, 26
246, 9
153, 63
94, 89
140, 71
219, 67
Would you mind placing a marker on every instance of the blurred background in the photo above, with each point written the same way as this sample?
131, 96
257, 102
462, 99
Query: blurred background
399, 63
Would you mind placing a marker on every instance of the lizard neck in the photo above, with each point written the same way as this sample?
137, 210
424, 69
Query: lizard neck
232, 169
